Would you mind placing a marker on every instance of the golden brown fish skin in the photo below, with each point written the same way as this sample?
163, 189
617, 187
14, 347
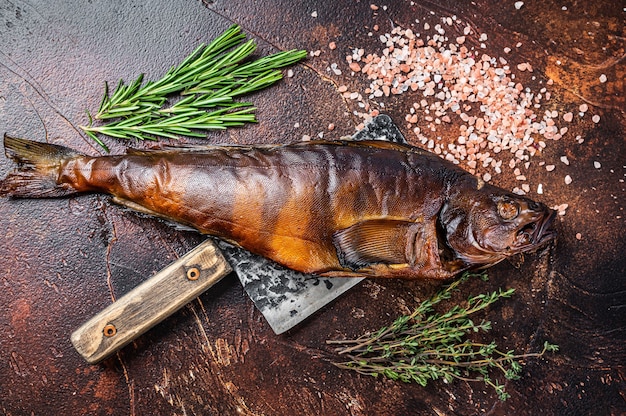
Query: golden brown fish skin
332, 208
284, 202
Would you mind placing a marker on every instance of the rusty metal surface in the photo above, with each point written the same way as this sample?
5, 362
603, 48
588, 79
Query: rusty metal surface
63, 260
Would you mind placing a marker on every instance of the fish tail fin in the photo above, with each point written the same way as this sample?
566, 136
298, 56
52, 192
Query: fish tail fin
38, 170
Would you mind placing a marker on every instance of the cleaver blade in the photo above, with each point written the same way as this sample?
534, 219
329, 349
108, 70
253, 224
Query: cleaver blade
285, 297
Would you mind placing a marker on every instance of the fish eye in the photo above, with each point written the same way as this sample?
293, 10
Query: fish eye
508, 210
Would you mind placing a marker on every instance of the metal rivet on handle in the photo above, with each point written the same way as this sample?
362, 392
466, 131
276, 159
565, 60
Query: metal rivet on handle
193, 273
109, 330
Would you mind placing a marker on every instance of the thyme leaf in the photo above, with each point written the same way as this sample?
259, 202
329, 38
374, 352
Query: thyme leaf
425, 345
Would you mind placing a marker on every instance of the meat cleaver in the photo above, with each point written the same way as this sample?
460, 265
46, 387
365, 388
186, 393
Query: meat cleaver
284, 297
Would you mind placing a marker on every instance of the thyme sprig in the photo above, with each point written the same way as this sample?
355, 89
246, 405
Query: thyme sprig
426, 345
195, 96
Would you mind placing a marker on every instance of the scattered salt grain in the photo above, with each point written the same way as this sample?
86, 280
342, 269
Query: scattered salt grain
314, 14
579, 236
332, 46
373, 7
595, 118
560, 209
568, 179
583, 108
540, 189
603, 78
455, 82
355, 67
564, 160
290, 73
519, 4
597, 165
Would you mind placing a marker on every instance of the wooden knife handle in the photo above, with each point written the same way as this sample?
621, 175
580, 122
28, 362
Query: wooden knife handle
150, 302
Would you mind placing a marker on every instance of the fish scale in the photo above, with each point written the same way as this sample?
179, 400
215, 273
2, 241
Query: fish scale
341, 208
333, 209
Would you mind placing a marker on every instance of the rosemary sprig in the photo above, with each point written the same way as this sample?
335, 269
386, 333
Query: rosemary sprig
197, 95
426, 345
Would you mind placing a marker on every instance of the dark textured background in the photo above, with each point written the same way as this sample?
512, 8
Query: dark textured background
61, 261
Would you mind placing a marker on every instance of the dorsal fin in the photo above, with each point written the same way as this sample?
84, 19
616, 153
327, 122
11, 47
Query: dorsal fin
196, 148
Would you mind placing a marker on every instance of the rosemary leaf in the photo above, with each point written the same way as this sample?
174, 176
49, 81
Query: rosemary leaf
195, 96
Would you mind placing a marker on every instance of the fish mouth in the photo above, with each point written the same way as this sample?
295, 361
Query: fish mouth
537, 232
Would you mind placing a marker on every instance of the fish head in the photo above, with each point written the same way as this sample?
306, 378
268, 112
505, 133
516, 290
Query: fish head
490, 224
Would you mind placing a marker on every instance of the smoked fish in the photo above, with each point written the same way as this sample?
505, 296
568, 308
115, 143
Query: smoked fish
332, 208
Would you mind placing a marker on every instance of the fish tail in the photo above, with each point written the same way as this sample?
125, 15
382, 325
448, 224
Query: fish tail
38, 171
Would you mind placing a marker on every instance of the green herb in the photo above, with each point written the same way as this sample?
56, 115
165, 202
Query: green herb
206, 84
426, 345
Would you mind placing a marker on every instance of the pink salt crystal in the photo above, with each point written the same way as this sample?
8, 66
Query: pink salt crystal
595, 118
583, 108
568, 117
355, 67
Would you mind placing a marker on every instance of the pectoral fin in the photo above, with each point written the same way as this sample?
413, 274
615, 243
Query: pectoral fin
372, 242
